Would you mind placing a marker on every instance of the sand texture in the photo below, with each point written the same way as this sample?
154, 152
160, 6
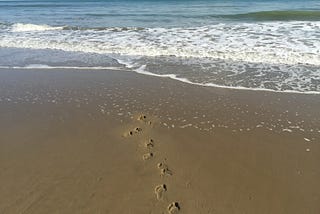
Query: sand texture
120, 142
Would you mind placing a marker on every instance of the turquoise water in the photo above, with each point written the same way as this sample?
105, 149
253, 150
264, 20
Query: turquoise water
254, 44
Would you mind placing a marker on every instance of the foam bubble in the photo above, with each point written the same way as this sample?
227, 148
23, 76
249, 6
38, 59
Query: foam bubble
20, 27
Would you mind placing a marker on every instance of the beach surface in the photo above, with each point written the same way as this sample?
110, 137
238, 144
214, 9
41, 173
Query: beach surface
103, 141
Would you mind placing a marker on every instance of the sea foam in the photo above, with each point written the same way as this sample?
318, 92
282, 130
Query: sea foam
20, 27
274, 42
275, 56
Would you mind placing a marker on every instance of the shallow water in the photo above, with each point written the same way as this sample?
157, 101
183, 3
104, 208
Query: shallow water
260, 45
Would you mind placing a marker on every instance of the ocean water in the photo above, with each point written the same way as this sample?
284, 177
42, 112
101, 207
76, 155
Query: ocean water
245, 44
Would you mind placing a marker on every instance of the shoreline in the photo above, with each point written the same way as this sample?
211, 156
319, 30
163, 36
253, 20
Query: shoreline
170, 76
65, 146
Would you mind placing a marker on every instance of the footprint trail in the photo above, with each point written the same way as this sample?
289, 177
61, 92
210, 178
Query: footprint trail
149, 149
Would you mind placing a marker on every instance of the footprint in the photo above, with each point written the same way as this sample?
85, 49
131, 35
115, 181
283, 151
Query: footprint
138, 129
132, 132
149, 144
128, 134
142, 117
147, 156
160, 190
173, 208
164, 170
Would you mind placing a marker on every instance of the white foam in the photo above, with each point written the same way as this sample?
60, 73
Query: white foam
275, 42
141, 70
175, 77
279, 44
37, 66
20, 27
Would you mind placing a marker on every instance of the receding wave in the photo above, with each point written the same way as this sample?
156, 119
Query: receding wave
284, 15
279, 56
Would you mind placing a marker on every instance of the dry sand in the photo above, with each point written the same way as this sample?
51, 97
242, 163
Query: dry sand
78, 142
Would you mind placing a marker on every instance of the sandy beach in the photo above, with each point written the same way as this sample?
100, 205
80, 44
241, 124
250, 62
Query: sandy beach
119, 142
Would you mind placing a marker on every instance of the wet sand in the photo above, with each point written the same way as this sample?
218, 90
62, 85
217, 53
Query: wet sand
120, 142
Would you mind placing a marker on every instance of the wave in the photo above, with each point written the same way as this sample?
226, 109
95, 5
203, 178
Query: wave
277, 15
24, 27
273, 43
4, 24
142, 70
10, 5
112, 29
20, 27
